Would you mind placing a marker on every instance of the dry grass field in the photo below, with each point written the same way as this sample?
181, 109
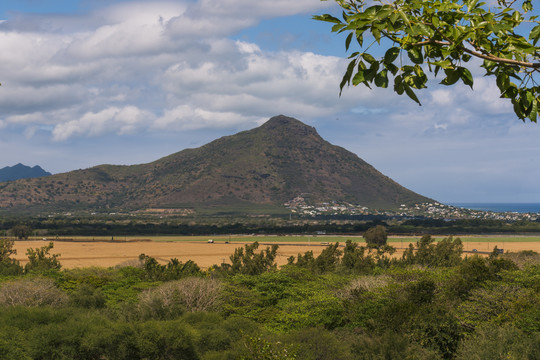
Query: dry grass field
84, 252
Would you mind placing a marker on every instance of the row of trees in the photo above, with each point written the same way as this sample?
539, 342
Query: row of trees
124, 227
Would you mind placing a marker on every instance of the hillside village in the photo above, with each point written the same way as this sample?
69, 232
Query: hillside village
434, 210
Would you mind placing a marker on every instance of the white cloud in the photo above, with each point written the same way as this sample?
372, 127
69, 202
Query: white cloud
442, 97
221, 18
30, 118
76, 78
113, 119
185, 117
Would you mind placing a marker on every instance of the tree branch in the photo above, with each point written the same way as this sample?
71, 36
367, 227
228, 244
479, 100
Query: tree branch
480, 55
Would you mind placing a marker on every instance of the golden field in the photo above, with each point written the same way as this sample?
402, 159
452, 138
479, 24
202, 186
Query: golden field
101, 251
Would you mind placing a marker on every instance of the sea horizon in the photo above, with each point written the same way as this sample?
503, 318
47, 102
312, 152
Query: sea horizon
500, 207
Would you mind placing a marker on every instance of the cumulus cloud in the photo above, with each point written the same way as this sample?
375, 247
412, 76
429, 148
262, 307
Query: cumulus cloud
219, 18
113, 119
82, 79
185, 117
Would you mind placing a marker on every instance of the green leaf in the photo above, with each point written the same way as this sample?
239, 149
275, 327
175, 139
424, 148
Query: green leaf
381, 80
467, 77
347, 77
445, 64
392, 68
376, 34
527, 99
503, 81
452, 76
518, 110
391, 55
348, 41
534, 111
384, 13
398, 84
527, 6
371, 73
337, 28
435, 21
535, 34
404, 17
394, 17
416, 55
410, 93
358, 78
327, 18
370, 59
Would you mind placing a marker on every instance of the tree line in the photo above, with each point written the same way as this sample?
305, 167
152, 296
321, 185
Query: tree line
23, 228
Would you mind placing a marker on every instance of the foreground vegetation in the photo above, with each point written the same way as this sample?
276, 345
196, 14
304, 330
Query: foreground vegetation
349, 302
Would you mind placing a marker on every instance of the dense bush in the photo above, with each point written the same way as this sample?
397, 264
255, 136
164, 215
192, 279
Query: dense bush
347, 303
499, 343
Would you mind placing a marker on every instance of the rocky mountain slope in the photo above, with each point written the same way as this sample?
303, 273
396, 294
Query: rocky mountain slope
268, 165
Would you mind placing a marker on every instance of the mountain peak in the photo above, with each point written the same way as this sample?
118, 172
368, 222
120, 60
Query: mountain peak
288, 125
20, 171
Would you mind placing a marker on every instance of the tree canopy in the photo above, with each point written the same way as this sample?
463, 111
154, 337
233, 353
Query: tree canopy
443, 36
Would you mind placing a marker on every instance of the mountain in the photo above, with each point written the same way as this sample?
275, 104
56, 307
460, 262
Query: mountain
21, 171
265, 166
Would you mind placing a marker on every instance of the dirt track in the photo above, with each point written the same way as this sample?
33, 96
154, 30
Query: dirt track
98, 253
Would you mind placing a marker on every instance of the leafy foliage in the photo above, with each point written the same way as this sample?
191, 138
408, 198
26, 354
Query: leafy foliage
39, 259
376, 237
446, 252
499, 342
257, 348
246, 261
423, 37
8, 266
173, 270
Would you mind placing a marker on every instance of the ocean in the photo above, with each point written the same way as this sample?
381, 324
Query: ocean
501, 207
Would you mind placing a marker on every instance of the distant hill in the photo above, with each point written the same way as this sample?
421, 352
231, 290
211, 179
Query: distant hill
263, 167
21, 171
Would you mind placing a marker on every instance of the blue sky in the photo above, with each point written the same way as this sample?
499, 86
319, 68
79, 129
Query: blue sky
124, 82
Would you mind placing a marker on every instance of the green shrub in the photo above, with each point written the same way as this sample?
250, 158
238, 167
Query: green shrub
499, 343
317, 343
389, 345
164, 340
87, 296
13, 344
40, 260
